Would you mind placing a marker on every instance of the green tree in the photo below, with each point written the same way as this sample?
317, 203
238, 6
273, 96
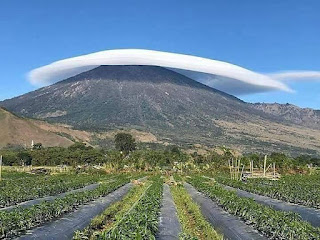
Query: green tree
37, 146
125, 142
78, 146
25, 158
9, 157
174, 149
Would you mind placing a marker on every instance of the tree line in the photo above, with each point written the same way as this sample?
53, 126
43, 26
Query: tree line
126, 154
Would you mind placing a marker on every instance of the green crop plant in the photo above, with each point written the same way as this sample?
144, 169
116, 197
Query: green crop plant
299, 189
18, 190
18, 221
141, 220
112, 214
274, 224
194, 225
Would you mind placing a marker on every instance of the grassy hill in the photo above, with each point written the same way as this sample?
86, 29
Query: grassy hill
21, 131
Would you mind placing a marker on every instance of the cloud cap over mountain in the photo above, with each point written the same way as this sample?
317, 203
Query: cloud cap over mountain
221, 75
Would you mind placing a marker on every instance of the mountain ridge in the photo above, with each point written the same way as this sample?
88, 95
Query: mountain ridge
307, 116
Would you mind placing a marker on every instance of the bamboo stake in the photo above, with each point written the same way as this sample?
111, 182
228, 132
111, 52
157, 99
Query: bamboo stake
268, 167
264, 165
232, 169
239, 164
236, 169
0, 167
241, 172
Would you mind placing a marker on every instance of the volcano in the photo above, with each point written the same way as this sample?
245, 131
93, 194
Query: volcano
165, 103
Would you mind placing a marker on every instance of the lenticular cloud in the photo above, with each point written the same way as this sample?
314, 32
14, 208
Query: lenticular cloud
217, 74
296, 76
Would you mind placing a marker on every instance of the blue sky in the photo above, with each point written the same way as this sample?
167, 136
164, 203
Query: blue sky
263, 36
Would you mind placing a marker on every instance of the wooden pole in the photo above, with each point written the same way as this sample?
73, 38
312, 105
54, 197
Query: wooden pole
232, 168
268, 167
274, 170
239, 164
264, 165
235, 169
241, 172
0, 167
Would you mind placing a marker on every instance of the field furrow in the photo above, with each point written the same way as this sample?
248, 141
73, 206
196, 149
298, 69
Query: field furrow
64, 228
230, 226
271, 223
48, 198
141, 220
169, 225
308, 214
18, 221
15, 191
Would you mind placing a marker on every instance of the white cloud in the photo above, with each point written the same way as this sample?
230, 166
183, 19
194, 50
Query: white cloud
223, 76
296, 76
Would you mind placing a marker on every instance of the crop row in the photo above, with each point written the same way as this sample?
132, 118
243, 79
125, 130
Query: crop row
274, 224
304, 190
23, 189
194, 225
13, 176
112, 214
141, 221
18, 221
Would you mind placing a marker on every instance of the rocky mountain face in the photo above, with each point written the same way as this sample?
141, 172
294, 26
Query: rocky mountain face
302, 116
167, 104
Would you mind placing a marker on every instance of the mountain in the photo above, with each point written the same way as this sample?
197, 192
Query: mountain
172, 107
19, 131
301, 116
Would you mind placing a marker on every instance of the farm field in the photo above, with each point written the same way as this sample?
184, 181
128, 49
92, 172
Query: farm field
160, 120
148, 205
14, 191
299, 189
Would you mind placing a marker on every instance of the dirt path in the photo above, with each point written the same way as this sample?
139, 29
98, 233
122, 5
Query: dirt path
230, 226
64, 228
310, 215
169, 226
30, 203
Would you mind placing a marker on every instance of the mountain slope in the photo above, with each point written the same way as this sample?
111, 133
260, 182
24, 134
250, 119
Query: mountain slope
302, 116
109, 96
169, 105
21, 131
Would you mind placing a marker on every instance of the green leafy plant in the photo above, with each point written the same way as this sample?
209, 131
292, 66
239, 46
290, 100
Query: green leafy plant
194, 225
18, 221
141, 221
112, 214
274, 224
299, 189
26, 188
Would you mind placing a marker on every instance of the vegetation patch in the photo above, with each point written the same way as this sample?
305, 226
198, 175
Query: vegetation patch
299, 189
26, 188
194, 225
274, 224
112, 214
18, 221
141, 220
